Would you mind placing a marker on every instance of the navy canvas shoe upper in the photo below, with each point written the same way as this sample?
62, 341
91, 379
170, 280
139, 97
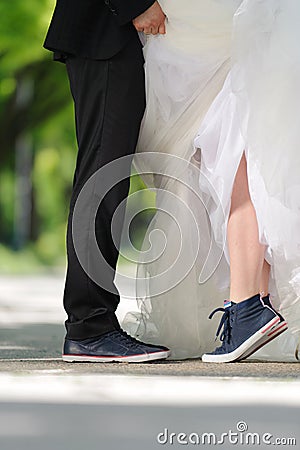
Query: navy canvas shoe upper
240, 321
266, 300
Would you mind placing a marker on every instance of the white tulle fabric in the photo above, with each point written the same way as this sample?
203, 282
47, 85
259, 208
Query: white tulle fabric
224, 80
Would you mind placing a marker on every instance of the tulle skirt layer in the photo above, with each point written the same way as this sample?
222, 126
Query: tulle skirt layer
223, 81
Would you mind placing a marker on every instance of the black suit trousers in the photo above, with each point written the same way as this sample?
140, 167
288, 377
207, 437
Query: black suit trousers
109, 98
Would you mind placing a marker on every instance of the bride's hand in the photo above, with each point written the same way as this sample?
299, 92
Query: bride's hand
152, 21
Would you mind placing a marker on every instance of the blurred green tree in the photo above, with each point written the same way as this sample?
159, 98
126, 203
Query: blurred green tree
37, 139
36, 135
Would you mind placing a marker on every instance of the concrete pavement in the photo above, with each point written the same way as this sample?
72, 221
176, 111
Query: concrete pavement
49, 411
32, 331
47, 404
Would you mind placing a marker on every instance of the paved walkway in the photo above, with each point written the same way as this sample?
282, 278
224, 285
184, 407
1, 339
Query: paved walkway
46, 404
32, 331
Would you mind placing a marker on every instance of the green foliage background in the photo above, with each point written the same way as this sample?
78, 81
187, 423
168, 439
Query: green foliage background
46, 119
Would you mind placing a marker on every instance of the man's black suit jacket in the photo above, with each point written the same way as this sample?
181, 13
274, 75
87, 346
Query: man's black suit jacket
95, 29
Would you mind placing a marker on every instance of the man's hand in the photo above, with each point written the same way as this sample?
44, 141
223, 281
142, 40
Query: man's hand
152, 21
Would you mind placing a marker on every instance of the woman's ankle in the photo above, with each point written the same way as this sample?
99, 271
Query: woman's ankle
243, 296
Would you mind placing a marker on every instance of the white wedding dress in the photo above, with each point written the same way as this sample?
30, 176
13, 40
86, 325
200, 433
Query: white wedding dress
223, 80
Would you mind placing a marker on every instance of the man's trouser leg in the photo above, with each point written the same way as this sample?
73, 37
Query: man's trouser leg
109, 99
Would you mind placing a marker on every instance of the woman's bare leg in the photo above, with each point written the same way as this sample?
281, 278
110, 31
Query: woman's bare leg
249, 324
264, 281
245, 251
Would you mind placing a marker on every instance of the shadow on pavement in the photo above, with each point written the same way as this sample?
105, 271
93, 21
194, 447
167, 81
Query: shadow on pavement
31, 341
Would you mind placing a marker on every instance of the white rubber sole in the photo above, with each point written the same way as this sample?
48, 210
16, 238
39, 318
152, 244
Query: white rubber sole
125, 359
255, 341
279, 329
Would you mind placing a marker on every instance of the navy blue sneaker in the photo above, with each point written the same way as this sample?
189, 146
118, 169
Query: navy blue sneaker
246, 326
115, 346
266, 301
279, 328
